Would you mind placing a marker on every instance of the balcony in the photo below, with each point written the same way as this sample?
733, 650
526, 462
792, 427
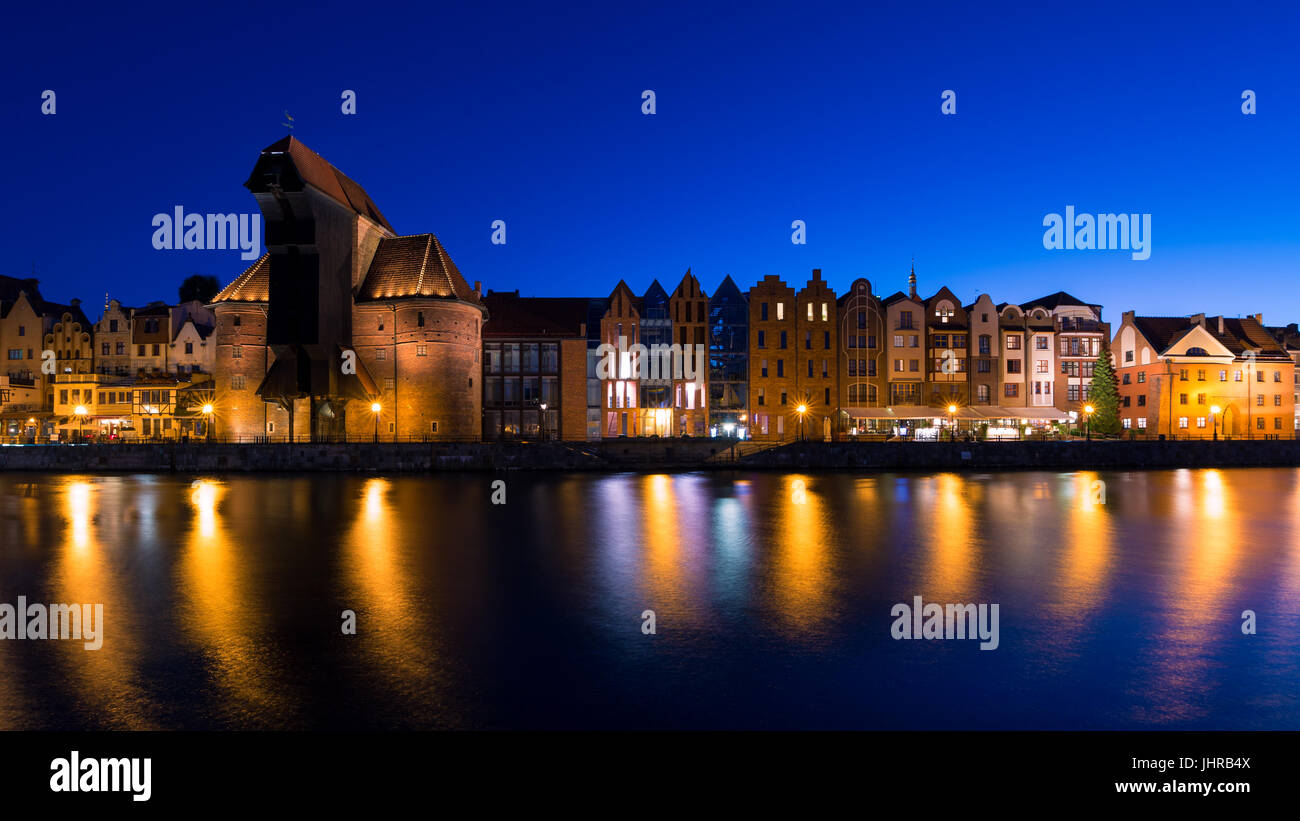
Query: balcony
1074, 324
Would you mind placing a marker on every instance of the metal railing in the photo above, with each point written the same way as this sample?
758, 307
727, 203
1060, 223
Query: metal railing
761, 442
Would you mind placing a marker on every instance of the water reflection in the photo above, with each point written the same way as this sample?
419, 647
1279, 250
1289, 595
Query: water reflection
1201, 568
108, 684
223, 613
1084, 566
946, 519
380, 586
1120, 596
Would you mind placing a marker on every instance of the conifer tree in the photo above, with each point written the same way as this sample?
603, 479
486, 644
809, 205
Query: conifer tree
1105, 397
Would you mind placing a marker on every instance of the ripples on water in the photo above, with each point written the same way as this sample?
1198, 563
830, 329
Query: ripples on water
223, 599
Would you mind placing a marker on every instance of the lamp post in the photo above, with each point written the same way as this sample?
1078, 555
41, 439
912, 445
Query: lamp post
952, 424
1214, 415
207, 411
1087, 421
81, 412
375, 408
543, 421
802, 409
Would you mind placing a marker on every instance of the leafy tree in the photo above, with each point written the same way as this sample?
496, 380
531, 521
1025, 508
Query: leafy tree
1105, 397
201, 287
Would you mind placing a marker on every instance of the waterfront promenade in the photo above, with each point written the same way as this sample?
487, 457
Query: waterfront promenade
647, 454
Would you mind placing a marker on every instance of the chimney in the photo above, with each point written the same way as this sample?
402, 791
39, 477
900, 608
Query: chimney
1129, 315
1198, 319
817, 274
1220, 325
1259, 318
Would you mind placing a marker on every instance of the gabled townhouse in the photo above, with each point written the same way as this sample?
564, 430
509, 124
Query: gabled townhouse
689, 309
655, 412
904, 349
984, 349
1202, 376
728, 381
947, 366
620, 330
816, 387
150, 338
862, 360
113, 340
1081, 336
772, 364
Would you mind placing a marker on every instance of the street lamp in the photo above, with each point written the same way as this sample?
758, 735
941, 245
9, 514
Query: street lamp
802, 409
543, 421
207, 411
81, 412
1087, 421
375, 408
1214, 415
952, 425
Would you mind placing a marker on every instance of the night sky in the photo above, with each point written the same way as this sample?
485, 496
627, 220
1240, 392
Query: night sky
765, 114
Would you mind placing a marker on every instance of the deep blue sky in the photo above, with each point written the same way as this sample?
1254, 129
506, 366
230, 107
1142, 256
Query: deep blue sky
766, 114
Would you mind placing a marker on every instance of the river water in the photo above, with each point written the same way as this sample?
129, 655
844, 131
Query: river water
1120, 599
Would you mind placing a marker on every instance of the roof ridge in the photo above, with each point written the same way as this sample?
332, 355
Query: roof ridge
444, 263
424, 264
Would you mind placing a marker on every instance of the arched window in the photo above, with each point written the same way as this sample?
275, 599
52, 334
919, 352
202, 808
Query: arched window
1197, 352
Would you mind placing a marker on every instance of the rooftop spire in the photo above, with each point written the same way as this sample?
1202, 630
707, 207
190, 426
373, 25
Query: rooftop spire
911, 280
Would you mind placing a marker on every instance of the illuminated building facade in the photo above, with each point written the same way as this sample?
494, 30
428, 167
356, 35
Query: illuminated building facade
1190, 377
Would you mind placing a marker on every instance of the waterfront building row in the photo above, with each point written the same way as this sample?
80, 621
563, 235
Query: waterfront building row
345, 328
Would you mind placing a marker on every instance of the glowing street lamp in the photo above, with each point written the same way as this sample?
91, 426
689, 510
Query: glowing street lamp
375, 408
952, 425
801, 410
80, 412
543, 421
1214, 415
1088, 410
207, 411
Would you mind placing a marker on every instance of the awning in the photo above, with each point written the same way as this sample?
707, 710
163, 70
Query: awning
912, 412
1039, 414
975, 413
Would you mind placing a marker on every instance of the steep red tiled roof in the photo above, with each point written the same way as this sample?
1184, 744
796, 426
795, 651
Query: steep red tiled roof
316, 171
1239, 335
414, 267
254, 285
1248, 332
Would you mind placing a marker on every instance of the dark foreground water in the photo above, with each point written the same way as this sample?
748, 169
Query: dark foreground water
772, 597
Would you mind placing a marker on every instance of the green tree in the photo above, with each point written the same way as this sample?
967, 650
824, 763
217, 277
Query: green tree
201, 287
1105, 397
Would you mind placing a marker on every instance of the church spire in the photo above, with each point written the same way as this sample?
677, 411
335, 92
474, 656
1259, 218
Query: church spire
911, 280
